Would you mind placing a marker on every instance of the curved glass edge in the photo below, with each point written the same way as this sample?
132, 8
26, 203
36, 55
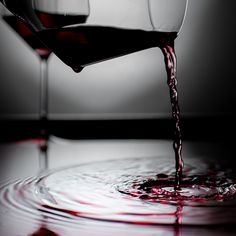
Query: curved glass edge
185, 13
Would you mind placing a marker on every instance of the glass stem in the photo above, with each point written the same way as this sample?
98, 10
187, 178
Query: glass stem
43, 106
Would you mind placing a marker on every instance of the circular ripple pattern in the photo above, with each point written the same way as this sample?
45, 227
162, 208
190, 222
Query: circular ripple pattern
138, 191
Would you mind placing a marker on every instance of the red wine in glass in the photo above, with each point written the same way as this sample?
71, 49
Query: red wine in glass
29, 37
54, 20
80, 46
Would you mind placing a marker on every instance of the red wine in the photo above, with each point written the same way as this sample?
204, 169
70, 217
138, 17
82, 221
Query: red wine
136, 191
23, 30
170, 62
82, 45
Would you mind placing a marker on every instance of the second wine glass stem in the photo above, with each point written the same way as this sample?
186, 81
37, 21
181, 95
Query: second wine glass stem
43, 106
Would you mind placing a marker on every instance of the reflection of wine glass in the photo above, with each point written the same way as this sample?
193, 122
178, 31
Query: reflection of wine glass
43, 229
41, 50
100, 30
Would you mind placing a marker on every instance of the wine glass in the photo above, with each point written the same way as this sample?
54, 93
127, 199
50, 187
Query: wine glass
23, 30
77, 46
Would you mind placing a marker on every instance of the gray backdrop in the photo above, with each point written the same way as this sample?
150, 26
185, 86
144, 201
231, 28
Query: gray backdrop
134, 85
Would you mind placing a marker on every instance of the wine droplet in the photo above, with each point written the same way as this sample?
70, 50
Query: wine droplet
77, 69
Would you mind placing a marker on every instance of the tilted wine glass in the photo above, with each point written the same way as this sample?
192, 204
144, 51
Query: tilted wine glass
146, 15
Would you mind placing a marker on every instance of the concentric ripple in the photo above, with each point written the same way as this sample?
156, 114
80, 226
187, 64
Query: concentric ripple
138, 191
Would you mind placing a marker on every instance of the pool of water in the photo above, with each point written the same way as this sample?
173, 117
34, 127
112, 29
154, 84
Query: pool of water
114, 187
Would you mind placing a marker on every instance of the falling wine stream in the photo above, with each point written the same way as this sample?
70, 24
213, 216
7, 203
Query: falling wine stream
171, 65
